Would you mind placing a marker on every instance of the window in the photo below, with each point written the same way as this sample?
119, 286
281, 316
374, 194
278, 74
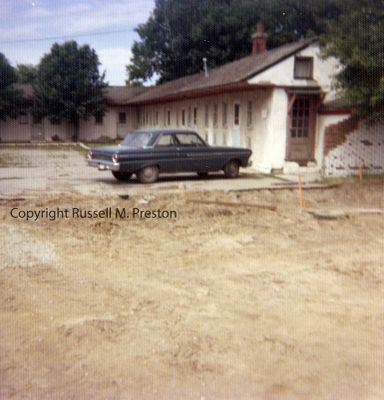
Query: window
215, 115
99, 119
146, 118
303, 68
236, 114
300, 118
224, 115
168, 117
206, 115
183, 117
138, 139
189, 139
249, 112
165, 140
195, 116
122, 118
156, 118
23, 118
189, 116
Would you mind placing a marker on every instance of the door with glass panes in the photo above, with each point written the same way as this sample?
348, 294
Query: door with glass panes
301, 132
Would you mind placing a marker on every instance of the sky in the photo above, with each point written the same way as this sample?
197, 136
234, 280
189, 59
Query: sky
28, 28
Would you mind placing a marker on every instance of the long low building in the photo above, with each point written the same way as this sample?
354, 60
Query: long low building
281, 103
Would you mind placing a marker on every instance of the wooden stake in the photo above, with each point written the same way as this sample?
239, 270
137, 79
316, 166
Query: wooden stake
300, 192
361, 173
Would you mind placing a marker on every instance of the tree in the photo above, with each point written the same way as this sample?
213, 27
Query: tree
8, 95
179, 33
69, 86
357, 40
26, 73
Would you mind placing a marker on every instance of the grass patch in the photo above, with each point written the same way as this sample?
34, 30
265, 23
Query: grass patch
10, 178
55, 146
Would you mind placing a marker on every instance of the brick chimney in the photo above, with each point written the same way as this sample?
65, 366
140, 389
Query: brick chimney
259, 40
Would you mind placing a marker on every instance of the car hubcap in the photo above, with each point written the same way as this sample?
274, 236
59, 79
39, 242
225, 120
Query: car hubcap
148, 172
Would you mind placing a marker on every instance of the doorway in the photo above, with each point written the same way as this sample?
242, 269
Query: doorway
301, 129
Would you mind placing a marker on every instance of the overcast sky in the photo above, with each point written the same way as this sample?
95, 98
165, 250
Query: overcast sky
24, 22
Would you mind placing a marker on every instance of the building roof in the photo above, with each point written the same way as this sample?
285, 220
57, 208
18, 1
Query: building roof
120, 95
336, 104
114, 95
233, 75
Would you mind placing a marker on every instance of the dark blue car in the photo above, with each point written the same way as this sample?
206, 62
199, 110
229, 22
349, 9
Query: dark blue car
147, 153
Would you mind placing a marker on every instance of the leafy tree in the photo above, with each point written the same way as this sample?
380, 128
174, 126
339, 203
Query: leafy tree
8, 95
357, 40
69, 86
179, 33
26, 73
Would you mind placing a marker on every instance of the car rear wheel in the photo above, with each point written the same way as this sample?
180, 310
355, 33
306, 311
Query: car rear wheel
121, 176
231, 169
148, 174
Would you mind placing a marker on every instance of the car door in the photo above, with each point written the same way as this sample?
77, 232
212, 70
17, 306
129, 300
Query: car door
193, 152
166, 153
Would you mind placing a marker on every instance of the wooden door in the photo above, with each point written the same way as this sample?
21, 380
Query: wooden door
301, 132
37, 129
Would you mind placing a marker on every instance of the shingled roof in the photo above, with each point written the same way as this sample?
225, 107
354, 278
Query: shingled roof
120, 95
231, 76
114, 95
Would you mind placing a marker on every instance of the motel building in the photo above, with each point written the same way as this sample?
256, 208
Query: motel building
281, 103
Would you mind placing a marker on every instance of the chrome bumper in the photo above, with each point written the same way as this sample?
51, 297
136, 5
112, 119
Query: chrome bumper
104, 165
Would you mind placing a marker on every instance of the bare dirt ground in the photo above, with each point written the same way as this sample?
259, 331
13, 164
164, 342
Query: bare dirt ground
222, 302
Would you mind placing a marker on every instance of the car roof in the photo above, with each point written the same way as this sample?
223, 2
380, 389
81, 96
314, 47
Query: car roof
159, 130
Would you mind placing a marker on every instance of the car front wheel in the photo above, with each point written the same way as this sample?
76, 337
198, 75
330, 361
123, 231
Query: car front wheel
231, 169
121, 176
148, 174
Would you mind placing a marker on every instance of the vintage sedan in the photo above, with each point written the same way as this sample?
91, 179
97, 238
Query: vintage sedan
147, 153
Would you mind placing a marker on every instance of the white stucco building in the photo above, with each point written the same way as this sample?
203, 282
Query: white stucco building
281, 103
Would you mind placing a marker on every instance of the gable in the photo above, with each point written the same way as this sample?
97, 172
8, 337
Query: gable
282, 73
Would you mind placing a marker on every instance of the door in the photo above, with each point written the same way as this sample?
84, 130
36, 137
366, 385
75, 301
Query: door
37, 131
236, 125
301, 133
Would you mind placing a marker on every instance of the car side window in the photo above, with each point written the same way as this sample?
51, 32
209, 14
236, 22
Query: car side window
189, 139
166, 140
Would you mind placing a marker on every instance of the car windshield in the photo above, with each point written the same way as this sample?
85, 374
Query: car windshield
137, 139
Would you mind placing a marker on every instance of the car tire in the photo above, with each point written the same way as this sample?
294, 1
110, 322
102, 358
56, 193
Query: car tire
148, 174
202, 174
231, 169
122, 176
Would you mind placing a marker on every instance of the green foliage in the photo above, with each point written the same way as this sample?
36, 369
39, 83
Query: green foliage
357, 40
180, 33
69, 86
8, 95
26, 73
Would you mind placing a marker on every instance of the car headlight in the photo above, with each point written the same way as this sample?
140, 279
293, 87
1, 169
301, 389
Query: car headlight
114, 158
